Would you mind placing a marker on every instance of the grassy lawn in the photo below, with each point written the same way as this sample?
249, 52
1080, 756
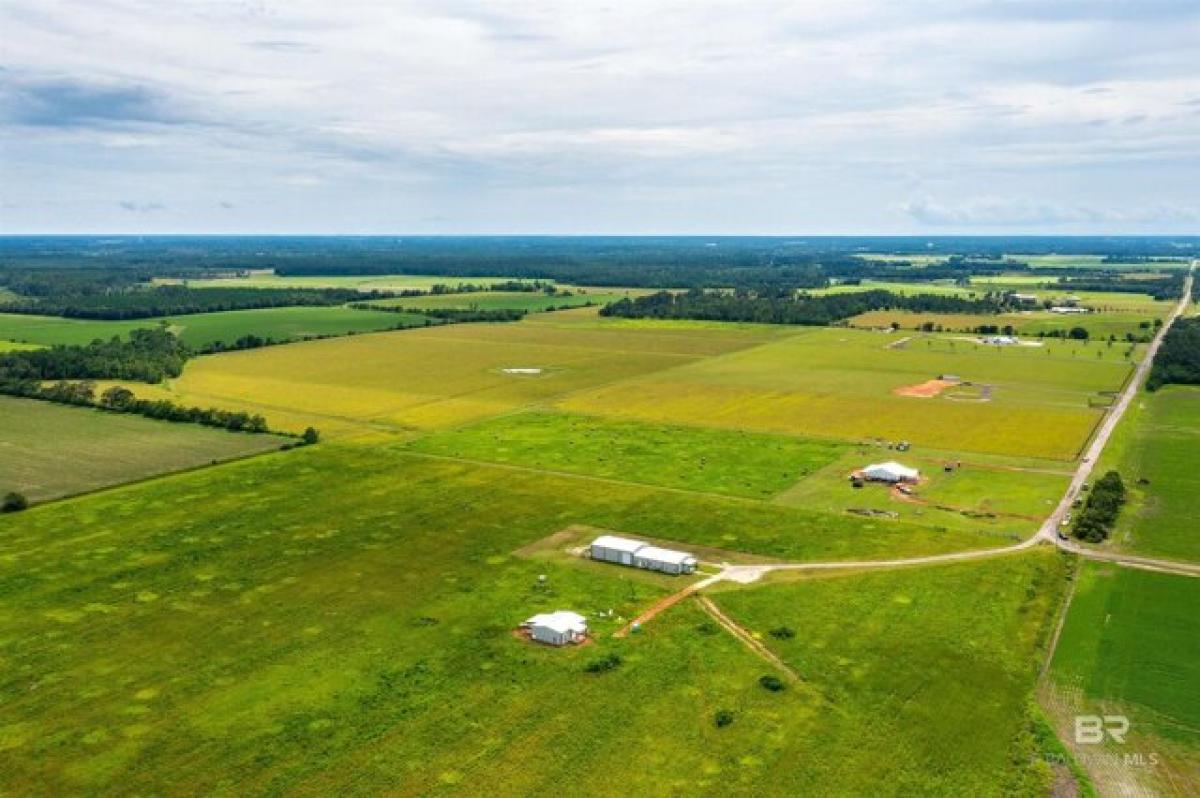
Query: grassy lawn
718, 461
926, 674
50, 330
13, 346
338, 618
49, 450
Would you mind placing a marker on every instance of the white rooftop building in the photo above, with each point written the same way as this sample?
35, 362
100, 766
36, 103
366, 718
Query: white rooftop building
636, 553
1001, 340
891, 471
557, 628
1068, 309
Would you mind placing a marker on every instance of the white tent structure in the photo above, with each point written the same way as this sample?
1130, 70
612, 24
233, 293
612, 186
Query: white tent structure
557, 628
890, 471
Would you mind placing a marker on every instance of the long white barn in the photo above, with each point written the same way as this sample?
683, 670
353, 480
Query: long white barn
638, 554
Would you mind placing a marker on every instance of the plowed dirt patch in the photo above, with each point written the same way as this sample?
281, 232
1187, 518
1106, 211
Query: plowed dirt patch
925, 390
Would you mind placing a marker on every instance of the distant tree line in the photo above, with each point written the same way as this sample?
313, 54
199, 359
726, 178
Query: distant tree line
178, 300
1095, 521
1160, 288
449, 315
801, 309
1178, 359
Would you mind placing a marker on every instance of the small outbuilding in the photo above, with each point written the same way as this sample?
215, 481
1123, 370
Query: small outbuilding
890, 472
557, 628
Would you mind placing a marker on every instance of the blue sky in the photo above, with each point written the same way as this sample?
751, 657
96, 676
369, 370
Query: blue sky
372, 116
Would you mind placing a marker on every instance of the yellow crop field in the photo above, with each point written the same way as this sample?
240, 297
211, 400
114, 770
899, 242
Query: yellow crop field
435, 377
839, 383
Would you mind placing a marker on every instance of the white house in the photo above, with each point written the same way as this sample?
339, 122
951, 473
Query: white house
557, 628
1065, 309
636, 553
890, 471
1000, 340
1026, 299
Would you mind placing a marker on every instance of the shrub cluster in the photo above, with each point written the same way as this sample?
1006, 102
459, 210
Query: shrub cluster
1094, 522
1178, 359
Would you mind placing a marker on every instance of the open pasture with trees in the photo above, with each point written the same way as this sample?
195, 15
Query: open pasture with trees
692, 458
359, 282
928, 674
839, 383
49, 450
1131, 646
204, 629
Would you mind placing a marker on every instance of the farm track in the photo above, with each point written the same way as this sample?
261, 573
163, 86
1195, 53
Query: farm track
746, 638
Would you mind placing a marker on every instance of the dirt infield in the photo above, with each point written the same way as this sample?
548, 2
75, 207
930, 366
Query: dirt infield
925, 390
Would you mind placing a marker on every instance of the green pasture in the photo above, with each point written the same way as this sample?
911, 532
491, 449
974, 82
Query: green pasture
215, 630
200, 329
49, 450
1155, 450
1132, 641
13, 346
978, 493
711, 460
927, 674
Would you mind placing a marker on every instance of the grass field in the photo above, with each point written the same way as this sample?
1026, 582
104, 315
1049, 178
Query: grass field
927, 674
1158, 442
13, 346
206, 328
838, 383
1131, 646
49, 450
214, 629
718, 461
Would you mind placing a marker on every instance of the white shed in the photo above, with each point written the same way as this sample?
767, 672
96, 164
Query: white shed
611, 548
652, 558
557, 628
891, 471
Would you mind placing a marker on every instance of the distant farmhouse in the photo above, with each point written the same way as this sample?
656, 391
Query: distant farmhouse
1024, 299
890, 471
557, 628
1001, 340
637, 554
1068, 309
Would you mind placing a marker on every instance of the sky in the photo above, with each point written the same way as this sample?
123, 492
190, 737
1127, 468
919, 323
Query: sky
622, 117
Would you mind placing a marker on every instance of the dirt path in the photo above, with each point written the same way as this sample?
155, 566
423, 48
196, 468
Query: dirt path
747, 639
664, 604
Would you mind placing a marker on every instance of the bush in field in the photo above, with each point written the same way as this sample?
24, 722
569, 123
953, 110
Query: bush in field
723, 718
772, 683
13, 503
783, 633
602, 664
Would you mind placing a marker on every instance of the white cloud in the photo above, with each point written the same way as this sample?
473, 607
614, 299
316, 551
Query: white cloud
759, 117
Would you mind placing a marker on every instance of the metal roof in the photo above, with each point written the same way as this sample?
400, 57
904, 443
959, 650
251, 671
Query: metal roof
561, 621
666, 555
619, 544
892, 467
